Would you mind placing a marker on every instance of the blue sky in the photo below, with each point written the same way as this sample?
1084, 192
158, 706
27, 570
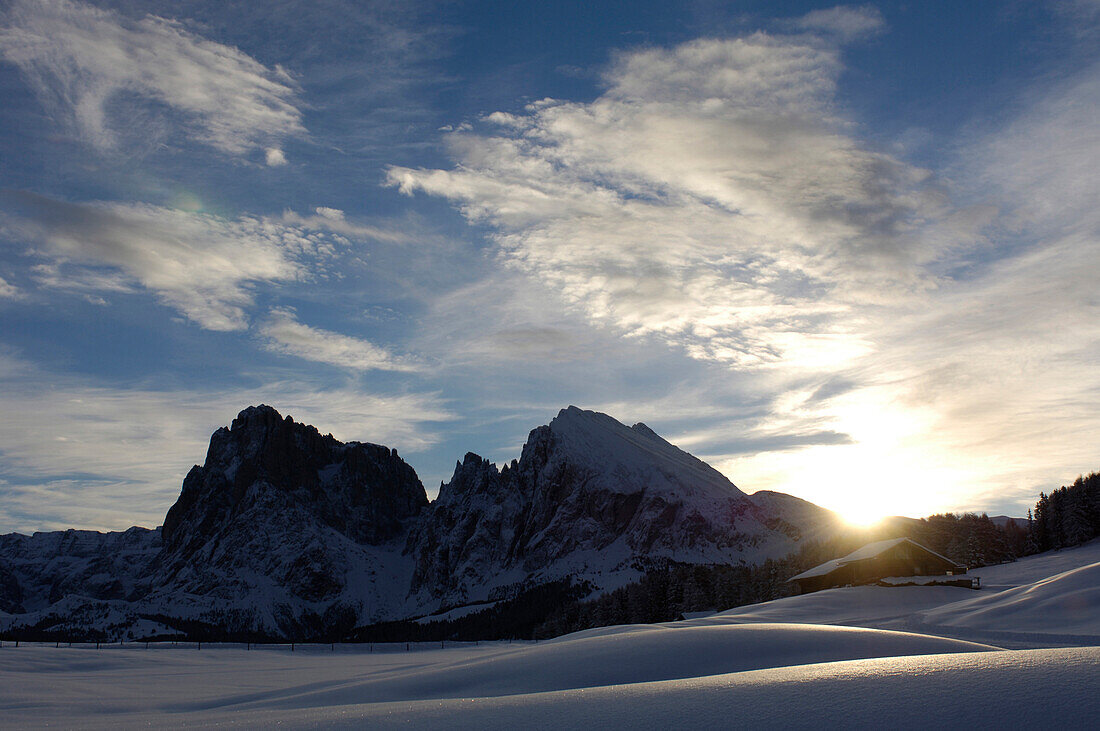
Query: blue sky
847, 252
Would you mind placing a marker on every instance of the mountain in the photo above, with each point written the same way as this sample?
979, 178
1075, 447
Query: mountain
592, 499
284, 532
800, 519
291, 525
39, 570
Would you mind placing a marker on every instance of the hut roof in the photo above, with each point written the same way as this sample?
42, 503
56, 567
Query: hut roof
871, 550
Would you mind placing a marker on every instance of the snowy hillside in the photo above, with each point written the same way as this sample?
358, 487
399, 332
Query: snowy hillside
1038, 601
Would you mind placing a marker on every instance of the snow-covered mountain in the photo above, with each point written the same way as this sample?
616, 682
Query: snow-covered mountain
593, 499
283, 531
39, 570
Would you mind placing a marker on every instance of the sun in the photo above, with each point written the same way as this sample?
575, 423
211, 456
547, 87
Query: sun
862, 517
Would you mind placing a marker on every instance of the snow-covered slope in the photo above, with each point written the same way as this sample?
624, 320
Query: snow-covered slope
761, 680
1048, 599
1067, 603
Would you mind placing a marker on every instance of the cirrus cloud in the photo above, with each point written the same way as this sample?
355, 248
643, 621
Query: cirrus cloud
712, 197
283, 333
88, 64
202, 265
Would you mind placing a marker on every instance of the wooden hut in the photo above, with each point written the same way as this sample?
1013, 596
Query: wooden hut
876, 561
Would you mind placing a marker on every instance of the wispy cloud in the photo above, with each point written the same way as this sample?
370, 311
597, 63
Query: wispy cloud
712, 197
283, 333
984, 390
845, 22
199, 264
334, 220
90, 65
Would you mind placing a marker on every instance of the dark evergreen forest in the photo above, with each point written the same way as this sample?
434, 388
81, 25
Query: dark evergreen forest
1068, 516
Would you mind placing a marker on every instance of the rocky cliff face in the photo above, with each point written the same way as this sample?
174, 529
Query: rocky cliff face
589, 498
287, 532
362, 491
283, 521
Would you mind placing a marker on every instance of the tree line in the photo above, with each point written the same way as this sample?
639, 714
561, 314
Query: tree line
1068, 516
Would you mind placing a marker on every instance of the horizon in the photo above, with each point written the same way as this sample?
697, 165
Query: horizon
844, 252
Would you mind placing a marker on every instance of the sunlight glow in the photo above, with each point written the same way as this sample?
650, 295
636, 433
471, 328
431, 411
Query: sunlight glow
897, 464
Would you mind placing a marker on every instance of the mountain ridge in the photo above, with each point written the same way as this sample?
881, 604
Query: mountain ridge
284, 531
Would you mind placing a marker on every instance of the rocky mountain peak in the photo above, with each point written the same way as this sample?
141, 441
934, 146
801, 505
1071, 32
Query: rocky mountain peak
364, 491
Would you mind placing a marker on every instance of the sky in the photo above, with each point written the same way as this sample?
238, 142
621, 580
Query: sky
845, 252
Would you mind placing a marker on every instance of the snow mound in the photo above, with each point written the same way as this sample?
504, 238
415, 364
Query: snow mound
1066, 603
984, 690
853, 605
108, 689
645, 653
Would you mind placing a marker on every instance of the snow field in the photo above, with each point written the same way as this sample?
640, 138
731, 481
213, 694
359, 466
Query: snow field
132, 685
751, 667
1013, 689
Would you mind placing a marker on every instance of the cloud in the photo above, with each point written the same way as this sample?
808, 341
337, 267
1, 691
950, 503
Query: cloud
200, 264
9, 291
845, 22
984, 390
333, 219
712, 197
88, 455
284, 334
92, 67
274, 157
